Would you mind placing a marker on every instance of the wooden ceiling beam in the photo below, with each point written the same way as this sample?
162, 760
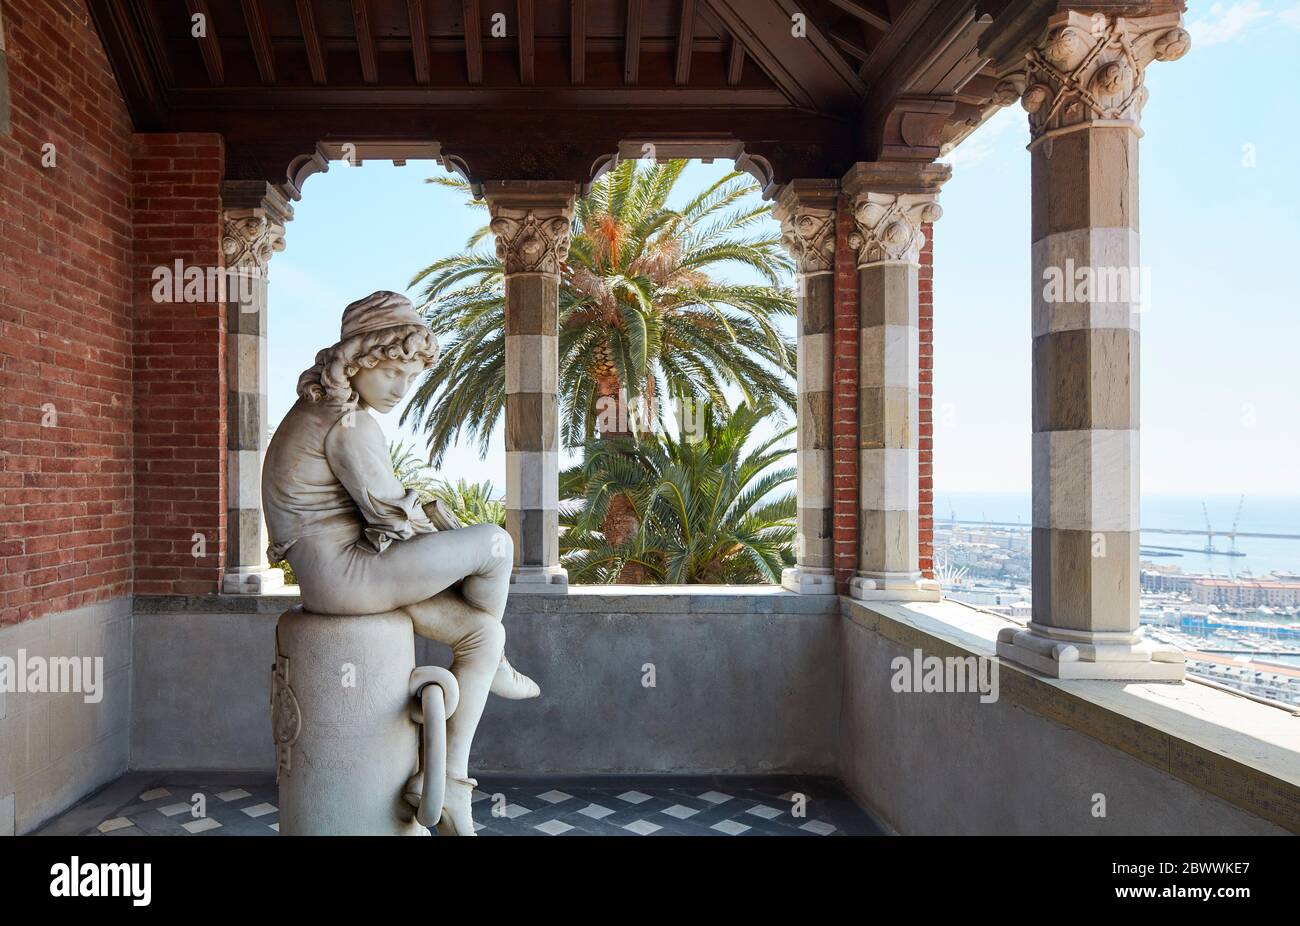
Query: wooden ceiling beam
527, 51
884, 51
862, 13
850, 48
632, 43
473, 41
209, 46
685, 43
141, 67
578, 42
735, 62
311, 40
419, 40
259, 37
807, 67
365, 42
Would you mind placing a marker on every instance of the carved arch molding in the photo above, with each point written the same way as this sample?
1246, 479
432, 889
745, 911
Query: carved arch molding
288, 167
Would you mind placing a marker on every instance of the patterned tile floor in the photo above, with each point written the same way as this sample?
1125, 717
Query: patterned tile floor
243, 804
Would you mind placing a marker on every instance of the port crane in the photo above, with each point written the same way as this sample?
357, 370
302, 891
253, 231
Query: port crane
1209, 531
1232, 535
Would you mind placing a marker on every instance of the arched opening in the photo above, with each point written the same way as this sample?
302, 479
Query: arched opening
675, 280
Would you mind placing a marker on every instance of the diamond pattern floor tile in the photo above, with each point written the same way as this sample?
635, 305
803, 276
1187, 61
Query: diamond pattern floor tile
505, 806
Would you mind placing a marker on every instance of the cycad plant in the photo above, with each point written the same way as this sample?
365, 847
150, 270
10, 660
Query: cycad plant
707, 510
642, 313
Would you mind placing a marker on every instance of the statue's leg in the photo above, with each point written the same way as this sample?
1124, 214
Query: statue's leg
477, 641
507, 682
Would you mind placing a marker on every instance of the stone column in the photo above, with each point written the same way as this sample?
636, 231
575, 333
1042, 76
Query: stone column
806, 210
1083, 89
531, 221
891, 201
253, 229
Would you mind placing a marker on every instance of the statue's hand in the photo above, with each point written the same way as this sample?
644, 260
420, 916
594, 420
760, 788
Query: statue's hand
440, 515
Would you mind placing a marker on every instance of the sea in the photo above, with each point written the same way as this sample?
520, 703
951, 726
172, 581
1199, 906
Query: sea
1269, 514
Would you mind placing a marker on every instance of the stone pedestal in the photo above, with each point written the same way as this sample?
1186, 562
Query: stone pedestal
346, 742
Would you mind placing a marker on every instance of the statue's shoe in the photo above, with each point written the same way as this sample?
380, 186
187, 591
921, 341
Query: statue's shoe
457, 815
511, 684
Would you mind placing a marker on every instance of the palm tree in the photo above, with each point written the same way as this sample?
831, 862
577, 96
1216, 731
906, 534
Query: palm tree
705, 509
412, 471
641, 312
471, 502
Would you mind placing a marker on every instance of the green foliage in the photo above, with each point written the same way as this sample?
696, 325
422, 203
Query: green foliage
639, 309
412, 471
707, 510
471, 502
289, 577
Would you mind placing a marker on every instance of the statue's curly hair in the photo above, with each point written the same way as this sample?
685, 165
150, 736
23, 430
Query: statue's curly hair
330, 379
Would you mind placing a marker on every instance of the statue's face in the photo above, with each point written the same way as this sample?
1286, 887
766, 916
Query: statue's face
383, 386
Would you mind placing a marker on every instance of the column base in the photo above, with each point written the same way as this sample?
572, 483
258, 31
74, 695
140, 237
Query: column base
902, 586
1091, 655
252, 580
539, 580
807, 581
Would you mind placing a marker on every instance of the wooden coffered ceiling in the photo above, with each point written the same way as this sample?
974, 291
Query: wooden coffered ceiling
550, 89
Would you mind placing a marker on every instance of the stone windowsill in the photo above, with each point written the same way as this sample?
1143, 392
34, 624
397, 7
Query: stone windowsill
1241, 750
632, 599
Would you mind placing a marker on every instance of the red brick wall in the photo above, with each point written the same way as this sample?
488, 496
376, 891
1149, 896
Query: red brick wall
65, 319
180, 370
844, 402
926, 304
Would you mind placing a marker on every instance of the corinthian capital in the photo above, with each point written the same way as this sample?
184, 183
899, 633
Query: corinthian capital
887, 226
1089, 69
809, 236
249, 238
891, 201
806, 210
531, 240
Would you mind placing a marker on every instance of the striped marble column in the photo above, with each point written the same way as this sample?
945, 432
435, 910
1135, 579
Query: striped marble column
891, 201
253, 229
531, 222
806, 210
1084, 92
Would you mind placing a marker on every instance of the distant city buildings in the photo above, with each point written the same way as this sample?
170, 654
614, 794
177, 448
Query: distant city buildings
1241, 632
1245, 593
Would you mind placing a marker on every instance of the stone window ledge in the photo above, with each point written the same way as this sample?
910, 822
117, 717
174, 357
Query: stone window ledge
626, 599
1238, 749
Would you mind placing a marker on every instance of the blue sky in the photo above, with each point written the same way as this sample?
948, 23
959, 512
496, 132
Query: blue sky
1220, 341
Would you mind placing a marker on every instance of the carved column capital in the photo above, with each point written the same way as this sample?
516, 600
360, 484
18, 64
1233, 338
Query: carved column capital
1089, 69
891, 201
806, 210
531, 221
531, 240
249, 237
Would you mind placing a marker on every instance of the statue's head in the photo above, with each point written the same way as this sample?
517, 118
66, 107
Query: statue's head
383, 348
